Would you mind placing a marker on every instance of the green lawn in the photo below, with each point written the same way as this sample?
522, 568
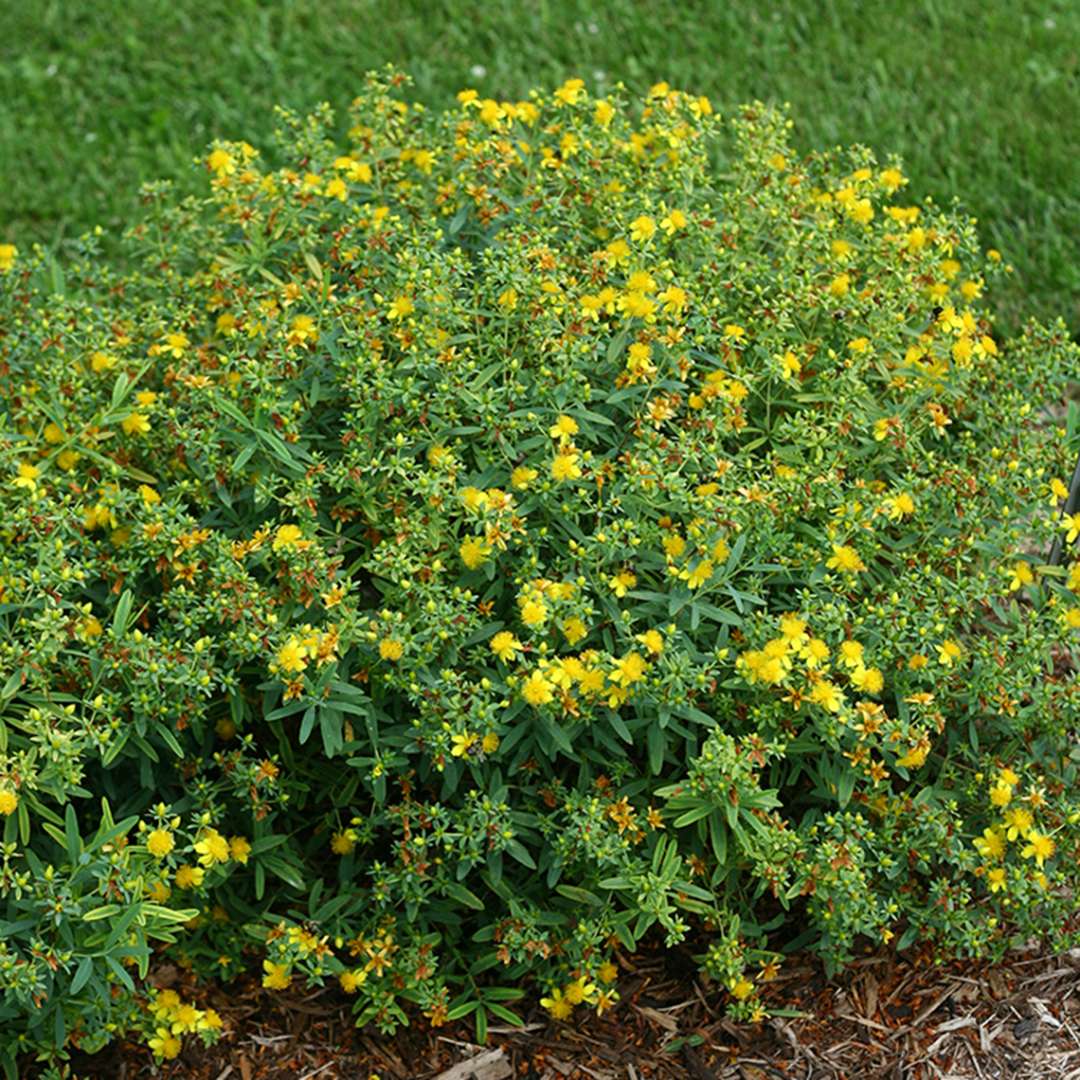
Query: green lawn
982, 97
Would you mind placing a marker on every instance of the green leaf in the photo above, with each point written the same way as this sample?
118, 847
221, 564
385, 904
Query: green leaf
657, 747
579, 895
464, 896
307, 725
82, 974
73, 842
121, 614
695, 813
99, 913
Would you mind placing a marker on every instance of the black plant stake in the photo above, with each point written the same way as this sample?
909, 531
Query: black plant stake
1070, 508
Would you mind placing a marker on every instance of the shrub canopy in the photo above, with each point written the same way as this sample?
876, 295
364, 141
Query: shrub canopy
451, 557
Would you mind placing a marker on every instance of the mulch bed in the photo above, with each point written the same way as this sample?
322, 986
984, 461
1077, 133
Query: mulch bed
885, 1018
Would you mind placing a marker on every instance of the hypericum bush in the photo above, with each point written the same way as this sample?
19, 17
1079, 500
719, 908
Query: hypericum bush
455, 556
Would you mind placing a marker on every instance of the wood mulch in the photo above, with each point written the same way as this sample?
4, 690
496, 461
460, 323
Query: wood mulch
884, 1018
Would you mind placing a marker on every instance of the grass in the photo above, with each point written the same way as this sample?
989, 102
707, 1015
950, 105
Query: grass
981, 97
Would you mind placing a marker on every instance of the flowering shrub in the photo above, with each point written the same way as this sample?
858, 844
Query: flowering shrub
453, 557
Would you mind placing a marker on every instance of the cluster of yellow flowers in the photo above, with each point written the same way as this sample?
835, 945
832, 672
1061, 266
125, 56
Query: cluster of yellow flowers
561, 1001
1018, 824
210, 848
175, 1018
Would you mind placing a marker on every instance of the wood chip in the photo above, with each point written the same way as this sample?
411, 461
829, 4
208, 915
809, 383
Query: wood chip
490, 1065
657, 1017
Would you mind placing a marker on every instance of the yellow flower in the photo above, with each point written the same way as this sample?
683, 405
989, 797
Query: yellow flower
861, 211
158, 892
673, 222
135, 424
571, 92
189, 877
287, 538
814, 653
845, 559
607, 972
462, 744
642, 229
851, 654
474, 552
741, 989
239, 849
391, 649
277, 976
949, 652
1019, 820
8, 254
504, 645
579, 991
869, 680
915, 757
400, 308
1039, 846
343, 842
212, 848
302, 330
1001, 794
1071, 524
991, 845
574, 629
841, 249
828, 695
221, 162
839, 285
892, 179
533, 612
629, 669
9, 801
291, 657
564, 428
175, 345
995, 878
557, 1005
620, 582
164, 1044
522, 477
159, 842
537, 690
210, 1021
185, 1018
1021, 575
351, 980
899, 506
565, 466
26, 477
1058, 491
699, 575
